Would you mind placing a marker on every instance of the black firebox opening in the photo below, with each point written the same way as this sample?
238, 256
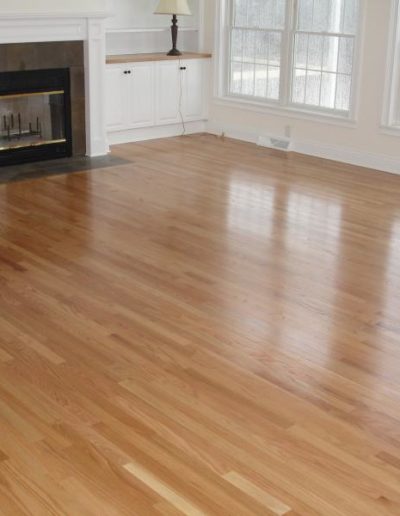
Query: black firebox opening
35, 116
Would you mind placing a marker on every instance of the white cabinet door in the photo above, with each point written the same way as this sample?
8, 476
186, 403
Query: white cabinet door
140, 102
155, 93
194, 89
116, 114
168, 87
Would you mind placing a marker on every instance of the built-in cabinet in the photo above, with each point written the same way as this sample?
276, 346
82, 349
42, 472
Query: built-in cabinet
156, 93
130, 90
115, 109
170, 81
194, 89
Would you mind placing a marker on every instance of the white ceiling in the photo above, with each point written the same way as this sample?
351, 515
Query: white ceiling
54, 6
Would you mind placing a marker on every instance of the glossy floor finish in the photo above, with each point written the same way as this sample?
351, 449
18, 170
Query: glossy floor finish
56, 167
208, 329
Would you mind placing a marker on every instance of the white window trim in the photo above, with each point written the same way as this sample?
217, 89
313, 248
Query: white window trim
221, 73
389, 124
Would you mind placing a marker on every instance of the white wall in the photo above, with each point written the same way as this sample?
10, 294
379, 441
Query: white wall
139, 43
139, 13
37, 6
365, 143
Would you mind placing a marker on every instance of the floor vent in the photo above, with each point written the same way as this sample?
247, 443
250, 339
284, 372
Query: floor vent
272, 142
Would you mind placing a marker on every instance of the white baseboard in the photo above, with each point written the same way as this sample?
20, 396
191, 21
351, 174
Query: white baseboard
232, 132
380, 162
99, 151
154, 132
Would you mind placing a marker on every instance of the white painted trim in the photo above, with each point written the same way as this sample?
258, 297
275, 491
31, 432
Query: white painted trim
155, 132
220, 47
318, 149
392, 77
221, 72
58, 26
379, 162
232, 132
30, 15
95, 78
27, 30
390, 130
358, 60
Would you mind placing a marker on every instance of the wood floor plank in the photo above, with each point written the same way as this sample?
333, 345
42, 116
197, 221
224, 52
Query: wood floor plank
163, 490
205, 328
276, 506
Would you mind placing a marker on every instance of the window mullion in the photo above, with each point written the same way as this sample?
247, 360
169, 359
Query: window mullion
287, 53
228, 27
393, 115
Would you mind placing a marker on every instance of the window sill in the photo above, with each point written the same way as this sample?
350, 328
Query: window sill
390, 130
289, 112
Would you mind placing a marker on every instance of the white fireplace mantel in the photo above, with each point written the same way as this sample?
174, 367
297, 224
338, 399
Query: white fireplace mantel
73, 25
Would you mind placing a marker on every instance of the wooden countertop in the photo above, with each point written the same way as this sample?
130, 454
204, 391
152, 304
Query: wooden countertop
139, 58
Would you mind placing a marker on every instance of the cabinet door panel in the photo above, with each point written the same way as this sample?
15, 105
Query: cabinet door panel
168, 88
194, 89
115, 98
141, 95
155, 93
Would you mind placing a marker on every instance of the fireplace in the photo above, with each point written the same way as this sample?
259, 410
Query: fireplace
42, 35
35, 115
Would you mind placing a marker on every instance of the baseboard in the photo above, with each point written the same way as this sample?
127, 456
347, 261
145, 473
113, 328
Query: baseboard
379, 162
154, 132
232, 132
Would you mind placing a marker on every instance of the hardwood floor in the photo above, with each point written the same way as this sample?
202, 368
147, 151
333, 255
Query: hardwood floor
208, 329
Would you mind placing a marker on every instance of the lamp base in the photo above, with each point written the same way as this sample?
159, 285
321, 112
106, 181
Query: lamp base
174, 52
174, 33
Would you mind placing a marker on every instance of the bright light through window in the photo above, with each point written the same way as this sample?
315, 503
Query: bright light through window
256, 43
298, 53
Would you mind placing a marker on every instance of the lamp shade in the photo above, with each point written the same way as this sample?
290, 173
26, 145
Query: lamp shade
173, 7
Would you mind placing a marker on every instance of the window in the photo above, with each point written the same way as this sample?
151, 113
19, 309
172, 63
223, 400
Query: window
392, 108
297, 53
256, 47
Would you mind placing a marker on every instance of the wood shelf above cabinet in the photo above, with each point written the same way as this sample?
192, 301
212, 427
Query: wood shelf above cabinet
140, 58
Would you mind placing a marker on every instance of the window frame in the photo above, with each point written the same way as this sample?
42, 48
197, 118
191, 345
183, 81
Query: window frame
391, 107
283, 82
283, 106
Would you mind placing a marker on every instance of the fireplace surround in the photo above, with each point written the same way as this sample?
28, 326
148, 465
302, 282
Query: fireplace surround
52, 66
35, 38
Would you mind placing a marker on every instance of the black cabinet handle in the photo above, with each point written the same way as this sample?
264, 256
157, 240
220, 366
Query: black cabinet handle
127, 71
183, 68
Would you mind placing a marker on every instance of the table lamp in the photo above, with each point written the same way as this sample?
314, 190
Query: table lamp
173, 7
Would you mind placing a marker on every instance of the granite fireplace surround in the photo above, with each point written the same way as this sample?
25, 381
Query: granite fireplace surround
57, 54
